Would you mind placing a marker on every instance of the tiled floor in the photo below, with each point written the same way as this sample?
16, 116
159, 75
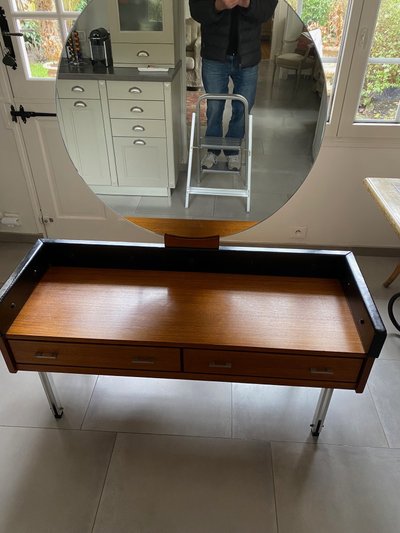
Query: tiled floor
283, 134
161, 456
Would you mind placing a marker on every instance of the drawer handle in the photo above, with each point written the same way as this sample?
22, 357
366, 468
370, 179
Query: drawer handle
139, 141
323, 371
136, 109
46, 355
79, 103
78, 89
135, 90
143, 53
214, 364
143, 361
138, 128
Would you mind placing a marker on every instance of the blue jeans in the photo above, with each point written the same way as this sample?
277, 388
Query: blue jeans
215, 80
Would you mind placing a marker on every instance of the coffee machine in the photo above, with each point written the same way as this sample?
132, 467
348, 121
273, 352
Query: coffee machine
100, 47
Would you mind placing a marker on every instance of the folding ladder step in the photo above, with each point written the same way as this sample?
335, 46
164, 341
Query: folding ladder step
226, 143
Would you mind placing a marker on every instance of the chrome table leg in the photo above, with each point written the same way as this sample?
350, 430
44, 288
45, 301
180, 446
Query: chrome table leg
51, 393
320, 412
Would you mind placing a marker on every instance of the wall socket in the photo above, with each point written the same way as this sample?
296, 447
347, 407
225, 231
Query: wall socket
298, 232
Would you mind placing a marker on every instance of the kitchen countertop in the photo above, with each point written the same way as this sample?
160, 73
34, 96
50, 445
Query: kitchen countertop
86, 71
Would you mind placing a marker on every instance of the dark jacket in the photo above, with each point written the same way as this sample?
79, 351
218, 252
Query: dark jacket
215, 29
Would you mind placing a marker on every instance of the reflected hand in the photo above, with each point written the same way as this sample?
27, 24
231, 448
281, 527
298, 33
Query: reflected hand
221, 5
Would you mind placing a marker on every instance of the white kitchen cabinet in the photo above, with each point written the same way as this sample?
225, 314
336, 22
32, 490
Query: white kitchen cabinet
83, 129
145, 32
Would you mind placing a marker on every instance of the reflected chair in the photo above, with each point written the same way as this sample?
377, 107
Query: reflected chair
300, 60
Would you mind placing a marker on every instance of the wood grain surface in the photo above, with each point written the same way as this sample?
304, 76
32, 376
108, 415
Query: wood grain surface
193, 309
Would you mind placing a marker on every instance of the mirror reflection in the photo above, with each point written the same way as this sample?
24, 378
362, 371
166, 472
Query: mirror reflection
128, 84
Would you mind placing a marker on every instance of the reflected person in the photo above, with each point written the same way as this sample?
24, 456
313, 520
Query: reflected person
230, 49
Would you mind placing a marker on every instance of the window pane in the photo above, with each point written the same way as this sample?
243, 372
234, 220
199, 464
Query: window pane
74, 5
328, 18
30, 6
42, 45
380, 95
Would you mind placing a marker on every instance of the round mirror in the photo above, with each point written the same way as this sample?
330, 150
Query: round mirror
132, 113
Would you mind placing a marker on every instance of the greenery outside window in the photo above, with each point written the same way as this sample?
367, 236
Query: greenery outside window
45, 25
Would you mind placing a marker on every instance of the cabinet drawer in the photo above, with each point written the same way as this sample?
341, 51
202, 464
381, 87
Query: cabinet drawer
135, 90
137, 128
137, 109
144, 54
78, 89
271, 365
141, 162
96, 355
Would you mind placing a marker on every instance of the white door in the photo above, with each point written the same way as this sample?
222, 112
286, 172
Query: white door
69, 209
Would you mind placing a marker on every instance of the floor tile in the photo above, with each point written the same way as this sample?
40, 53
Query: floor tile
24, 403
270, 413
180, 485
336, 489
163, 406
384, 384
51, 480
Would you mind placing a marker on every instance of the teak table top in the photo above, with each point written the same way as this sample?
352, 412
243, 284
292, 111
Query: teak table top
190, 309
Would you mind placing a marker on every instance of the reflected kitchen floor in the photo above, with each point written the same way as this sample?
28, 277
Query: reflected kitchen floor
284, 123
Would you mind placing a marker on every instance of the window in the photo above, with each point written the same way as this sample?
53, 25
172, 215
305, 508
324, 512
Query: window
45, 25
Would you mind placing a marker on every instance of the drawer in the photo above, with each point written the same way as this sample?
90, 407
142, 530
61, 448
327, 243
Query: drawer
135, 90
78, 89
272, 365
137, 128
144, 54
96, 355
138, 109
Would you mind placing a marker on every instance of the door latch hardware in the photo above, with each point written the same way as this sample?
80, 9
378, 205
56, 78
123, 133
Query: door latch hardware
23, 115
9, 57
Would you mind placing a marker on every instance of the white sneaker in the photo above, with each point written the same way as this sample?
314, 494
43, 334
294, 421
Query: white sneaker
234, 162
209, 160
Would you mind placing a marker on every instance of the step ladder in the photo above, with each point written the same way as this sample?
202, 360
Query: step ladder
199, 144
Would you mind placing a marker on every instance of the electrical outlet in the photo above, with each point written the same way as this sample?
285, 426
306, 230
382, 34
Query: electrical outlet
298, 232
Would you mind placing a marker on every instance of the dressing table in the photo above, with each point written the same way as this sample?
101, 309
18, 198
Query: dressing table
249, 315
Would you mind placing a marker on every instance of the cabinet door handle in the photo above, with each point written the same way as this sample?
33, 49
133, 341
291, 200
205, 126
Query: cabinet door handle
322, 371
139, 141
143, 53
143, 360
138, 128
78, 89
79, 103
136, 109
215, 364
135, 90
46, 355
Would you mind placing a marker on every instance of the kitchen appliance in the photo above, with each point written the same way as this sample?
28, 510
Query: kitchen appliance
100, 47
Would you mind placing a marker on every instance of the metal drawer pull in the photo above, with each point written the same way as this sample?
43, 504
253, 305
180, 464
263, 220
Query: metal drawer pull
139, 141
135, 90
143, 53
138, 128
143, 361
78, 89
214, 364
136, 109
80, 104
324, 371
46, 355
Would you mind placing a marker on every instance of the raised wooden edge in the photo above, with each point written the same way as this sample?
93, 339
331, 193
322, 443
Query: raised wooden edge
364, 374
7, 355
192, 228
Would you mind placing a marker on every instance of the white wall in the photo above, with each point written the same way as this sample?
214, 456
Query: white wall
333, 202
